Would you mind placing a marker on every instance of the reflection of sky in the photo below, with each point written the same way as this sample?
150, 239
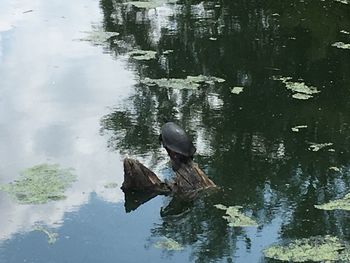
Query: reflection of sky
53, 91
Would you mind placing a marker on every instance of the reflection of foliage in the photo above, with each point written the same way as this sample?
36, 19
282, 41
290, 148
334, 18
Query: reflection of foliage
246, 142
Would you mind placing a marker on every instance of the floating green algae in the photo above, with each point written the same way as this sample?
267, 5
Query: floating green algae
316, 249
297, 128
236, 218
346, 2
315, 147
341, 45
191, 82
40, 184
98, 36
168, 244
340, 204
300, 89
52, 236
149, 4
334, 168
143, 54
237, 90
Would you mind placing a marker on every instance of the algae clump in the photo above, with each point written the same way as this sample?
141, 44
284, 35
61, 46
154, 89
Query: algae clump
52, 236
315, 147
340, 204
40, 184
236, 218
143, 54
300, 89
237, 90
315, 249
297, 128
341, 45
190, 82
168, 244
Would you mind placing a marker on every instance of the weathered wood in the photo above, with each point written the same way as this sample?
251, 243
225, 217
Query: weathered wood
139, 178
188, 177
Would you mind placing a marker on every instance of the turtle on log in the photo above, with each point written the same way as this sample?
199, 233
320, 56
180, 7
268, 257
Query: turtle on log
188, 179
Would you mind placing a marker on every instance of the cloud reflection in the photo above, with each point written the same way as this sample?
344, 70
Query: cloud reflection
54, 92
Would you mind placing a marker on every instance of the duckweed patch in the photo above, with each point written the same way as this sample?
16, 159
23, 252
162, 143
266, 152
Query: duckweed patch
52, 236
315, 147
237, 90
236, 218
298, 128
341, 45
98, 36
168, 244
143, 54
315, 249
300, 90
191, 82
340, 204
40, 184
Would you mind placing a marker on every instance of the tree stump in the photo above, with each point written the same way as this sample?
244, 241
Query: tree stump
188, 178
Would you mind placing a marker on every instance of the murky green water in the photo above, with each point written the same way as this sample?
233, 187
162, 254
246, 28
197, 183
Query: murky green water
275, 135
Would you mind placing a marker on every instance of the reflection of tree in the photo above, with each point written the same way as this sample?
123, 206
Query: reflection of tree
247, 143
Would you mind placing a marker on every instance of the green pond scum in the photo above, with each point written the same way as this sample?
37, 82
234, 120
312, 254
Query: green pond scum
235, 218
190, 82
40, 184
341, 45
315, 147
168, 244
314, 249
300, 90
150, 4
237, 90
298, 128
51, 236
339, 204
143, 54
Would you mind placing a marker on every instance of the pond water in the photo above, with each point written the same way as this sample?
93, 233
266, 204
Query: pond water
274, 136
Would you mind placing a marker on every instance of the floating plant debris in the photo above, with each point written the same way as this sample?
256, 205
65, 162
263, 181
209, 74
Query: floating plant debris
345, 32
143, 54
314, 249
339, 204
98, 36
297, 128
168, 244
236, 218
300, 89
237, 90
341, 45
318, 146
167, 52
52, 236
40, 184
343, 1
333, 168
191, 82
150, 4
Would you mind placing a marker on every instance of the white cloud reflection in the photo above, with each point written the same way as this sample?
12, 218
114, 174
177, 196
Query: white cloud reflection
53, 92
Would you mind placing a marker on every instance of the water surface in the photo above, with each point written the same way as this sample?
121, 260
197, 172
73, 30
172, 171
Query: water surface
83, 104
